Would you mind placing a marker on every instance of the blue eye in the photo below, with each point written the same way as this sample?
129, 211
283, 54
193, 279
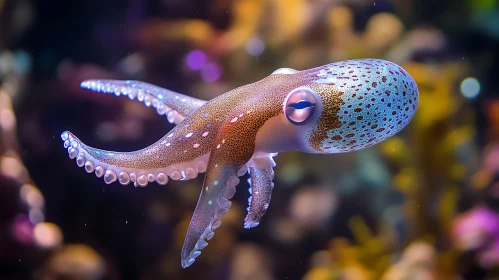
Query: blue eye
300, 106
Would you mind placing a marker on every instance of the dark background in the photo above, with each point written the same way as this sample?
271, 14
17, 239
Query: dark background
137, 233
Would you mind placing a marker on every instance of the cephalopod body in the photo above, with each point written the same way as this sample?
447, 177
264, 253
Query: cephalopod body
335, 108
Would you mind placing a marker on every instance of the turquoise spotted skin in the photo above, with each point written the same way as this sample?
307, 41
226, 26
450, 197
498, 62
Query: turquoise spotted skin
382, 99
335, 108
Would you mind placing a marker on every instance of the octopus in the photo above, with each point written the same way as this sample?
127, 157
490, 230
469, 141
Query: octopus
336, 108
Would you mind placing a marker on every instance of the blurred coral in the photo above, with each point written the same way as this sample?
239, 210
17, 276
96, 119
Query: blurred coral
478, 231
421, 205
75, 261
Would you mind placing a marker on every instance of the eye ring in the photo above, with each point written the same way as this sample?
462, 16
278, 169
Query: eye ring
300, 106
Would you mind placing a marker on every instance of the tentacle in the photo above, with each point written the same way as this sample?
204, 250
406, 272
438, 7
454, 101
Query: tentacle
261, 186
219, 186
174, 105
227, 161
140, 167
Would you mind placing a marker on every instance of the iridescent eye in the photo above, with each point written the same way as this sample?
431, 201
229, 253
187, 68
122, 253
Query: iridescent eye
300, 106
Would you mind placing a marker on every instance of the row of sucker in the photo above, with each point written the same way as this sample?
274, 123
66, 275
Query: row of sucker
123, 177
259, 162
251, 224
223, 207
222, 210
132, 93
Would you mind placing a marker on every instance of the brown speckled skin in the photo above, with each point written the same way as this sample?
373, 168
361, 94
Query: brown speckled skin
221, 110
248, 122
331, 101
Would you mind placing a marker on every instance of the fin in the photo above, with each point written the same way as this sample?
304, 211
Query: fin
140, 167
261, 186
174, 105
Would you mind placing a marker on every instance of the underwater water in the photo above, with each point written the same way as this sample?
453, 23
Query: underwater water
382, 167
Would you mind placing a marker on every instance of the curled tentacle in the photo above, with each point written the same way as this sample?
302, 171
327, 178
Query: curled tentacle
261, 192
261, 186
140, 167
174, 105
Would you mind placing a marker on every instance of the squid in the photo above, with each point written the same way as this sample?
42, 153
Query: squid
336, 108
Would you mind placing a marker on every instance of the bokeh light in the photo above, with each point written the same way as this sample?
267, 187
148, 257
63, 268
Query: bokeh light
211, 73
36, 216
23, 62
35, 198
133, 64
255, 46
312, 207
196, 60
6, 61
22, 229
340, 17
470, 87
11, 167
107, 131
7, 119
249, 261
47, 235
32, 196
383, 29
76, 261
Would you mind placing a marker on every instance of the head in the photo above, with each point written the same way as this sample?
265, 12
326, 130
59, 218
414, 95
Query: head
347, 106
